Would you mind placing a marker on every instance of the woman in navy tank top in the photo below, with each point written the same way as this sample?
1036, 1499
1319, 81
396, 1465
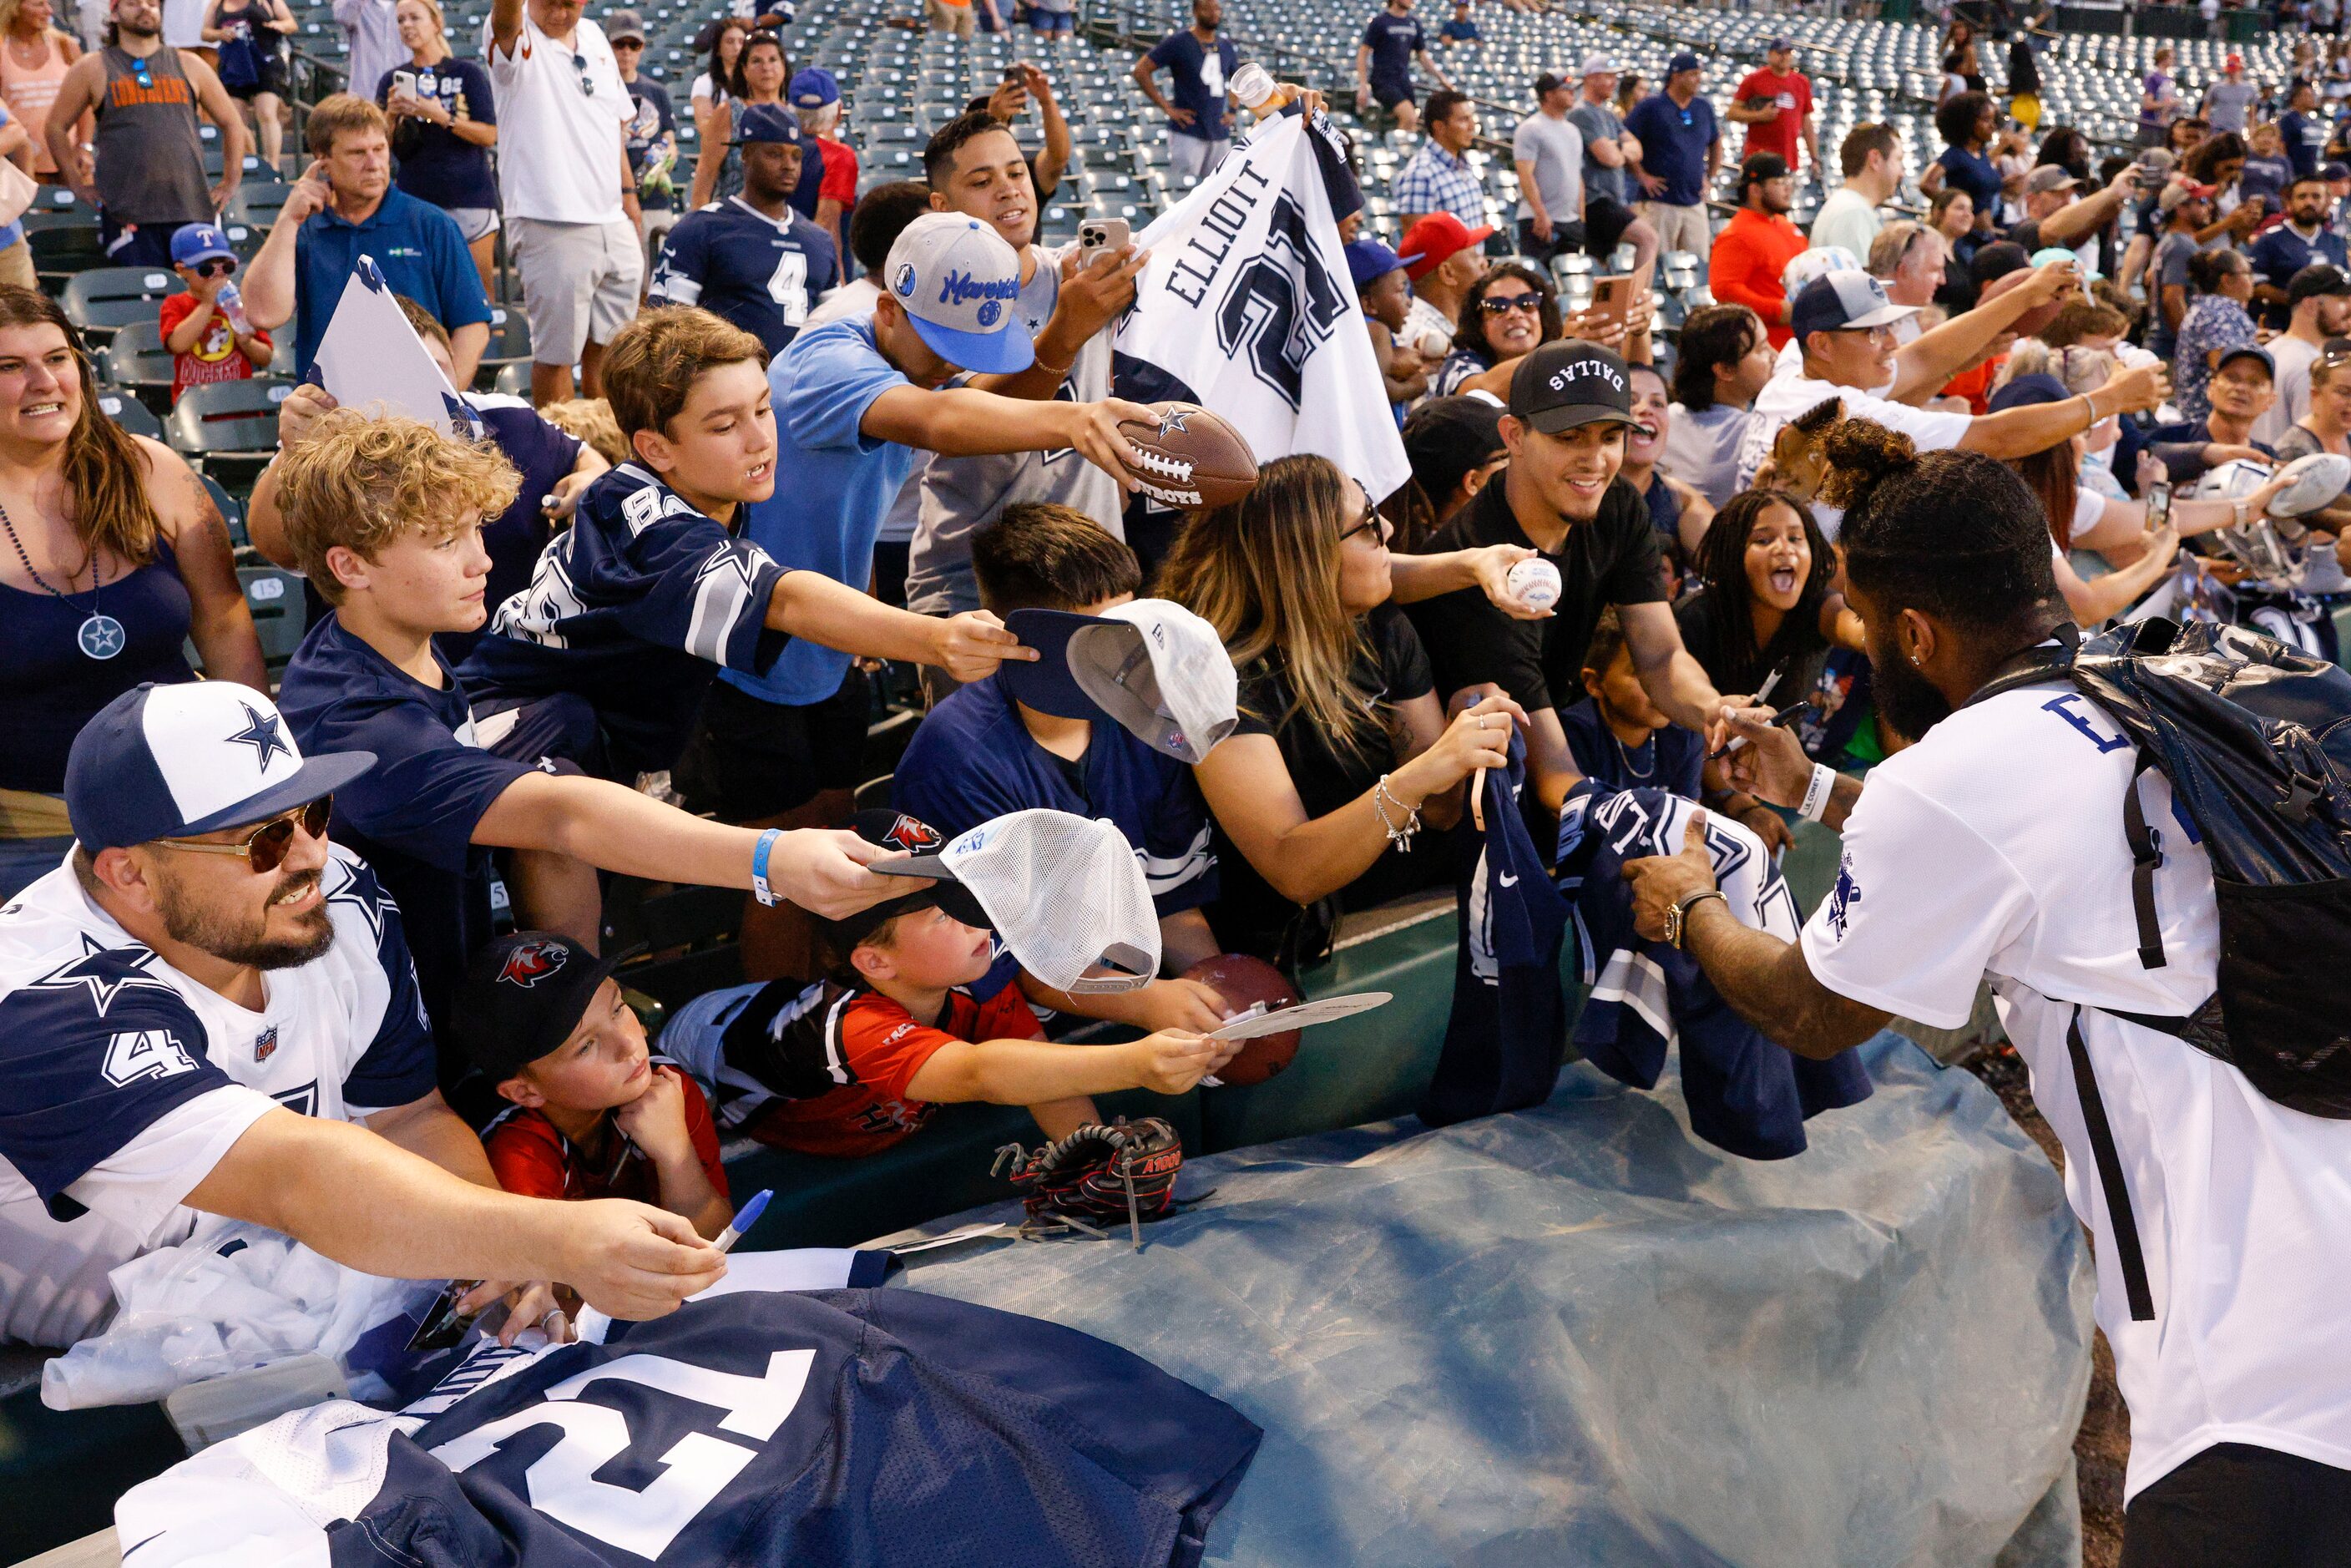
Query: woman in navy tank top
112, 556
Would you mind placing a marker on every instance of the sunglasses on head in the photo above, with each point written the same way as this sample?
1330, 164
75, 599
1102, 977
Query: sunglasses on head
265, 848
1503, 303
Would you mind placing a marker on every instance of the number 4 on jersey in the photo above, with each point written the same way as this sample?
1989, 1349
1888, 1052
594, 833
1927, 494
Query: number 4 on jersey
142, 1054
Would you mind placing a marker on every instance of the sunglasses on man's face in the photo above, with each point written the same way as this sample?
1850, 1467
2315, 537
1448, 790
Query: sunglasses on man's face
1503, 303
265, 848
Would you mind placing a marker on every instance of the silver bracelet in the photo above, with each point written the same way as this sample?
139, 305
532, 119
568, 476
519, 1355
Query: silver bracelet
1399, 836
1817, 792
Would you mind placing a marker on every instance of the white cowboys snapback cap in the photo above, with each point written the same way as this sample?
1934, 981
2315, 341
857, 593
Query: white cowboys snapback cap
958, 281
170, 761
1065, 895
1157, 669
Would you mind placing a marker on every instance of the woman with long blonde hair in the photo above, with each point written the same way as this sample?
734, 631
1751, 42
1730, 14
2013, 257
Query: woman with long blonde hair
112, 558
1344, 751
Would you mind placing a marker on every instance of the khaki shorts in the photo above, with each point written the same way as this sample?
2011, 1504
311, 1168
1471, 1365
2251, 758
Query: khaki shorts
579, 283
942, 18
1678, 228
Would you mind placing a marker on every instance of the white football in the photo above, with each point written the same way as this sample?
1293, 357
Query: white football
2311, 483
1534, 583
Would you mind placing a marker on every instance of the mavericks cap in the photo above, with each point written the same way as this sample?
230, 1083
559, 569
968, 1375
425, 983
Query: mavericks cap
813, 89
2319, 278
765, 122
2049, 177
170, 762
1065, 895
1152, 665
1845, 302
1436, 240
624, 25
522, 996
1569, 383
908, 835
2247, 351
193, 243
1685, 61
1368, 261
957, 282
1598, 65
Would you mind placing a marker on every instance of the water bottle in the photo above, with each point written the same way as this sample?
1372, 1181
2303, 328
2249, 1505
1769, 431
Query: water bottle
232, 305
1252, 87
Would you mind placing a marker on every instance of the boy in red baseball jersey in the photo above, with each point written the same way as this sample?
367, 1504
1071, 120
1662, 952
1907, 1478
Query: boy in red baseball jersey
592, 1113
856, 1062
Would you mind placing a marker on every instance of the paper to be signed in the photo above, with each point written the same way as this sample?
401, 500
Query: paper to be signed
371, 359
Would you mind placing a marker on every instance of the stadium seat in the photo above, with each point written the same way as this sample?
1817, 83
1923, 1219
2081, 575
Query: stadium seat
131, 414
280, 614
232, 511
61, 251
137, 362
513, 379
234, 423
100, 301
509, 344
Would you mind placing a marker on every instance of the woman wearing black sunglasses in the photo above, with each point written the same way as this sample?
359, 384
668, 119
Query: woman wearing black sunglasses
1508, 312
1344, 749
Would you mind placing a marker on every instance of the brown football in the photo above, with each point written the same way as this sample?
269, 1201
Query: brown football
1191, 459
2029, 324
1240, 980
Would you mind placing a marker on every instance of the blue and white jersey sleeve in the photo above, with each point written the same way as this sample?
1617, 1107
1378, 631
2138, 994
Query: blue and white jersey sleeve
684, 264
393, 1061
639, 563
107, 1101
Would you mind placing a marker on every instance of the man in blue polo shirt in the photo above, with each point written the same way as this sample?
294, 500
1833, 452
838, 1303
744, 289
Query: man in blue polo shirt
1011, 743
344, 207
751, 257
1681, 149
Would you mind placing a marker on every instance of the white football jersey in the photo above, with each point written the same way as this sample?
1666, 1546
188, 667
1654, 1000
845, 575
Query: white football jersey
123, 1080
1995, 846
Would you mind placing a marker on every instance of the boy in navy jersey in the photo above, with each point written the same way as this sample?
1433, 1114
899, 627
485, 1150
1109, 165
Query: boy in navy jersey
751, 257
385, 516
651, 593
591, 1113
1618, 736
854, 1064
982, 753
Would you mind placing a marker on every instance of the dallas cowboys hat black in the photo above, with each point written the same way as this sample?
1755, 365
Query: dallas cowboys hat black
171, 761
1568, 383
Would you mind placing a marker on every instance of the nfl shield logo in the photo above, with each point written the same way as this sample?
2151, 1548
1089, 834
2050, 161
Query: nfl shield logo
266, 1046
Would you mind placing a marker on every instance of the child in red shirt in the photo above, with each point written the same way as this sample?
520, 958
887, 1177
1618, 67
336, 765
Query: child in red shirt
205, 327
852, 1064
593, 1114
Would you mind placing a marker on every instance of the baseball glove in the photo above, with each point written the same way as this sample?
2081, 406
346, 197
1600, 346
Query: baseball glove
1124, 1172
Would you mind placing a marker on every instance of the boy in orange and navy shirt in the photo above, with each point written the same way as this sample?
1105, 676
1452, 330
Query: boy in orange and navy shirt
592, 1112
205, 327
857, 1062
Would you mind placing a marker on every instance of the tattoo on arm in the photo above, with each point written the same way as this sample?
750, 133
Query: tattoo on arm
1768, 983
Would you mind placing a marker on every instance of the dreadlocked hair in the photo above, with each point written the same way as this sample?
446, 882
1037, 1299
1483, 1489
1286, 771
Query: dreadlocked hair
1955, 534
1264, 572
104, 473
1727, 600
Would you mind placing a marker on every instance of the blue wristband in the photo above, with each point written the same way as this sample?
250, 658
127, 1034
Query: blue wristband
759, 888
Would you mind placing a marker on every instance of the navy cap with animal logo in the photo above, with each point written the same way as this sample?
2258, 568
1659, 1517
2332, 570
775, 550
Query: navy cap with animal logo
522, 995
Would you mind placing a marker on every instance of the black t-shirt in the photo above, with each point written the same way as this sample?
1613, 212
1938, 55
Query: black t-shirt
1611, 560
1248, 914
1743, 670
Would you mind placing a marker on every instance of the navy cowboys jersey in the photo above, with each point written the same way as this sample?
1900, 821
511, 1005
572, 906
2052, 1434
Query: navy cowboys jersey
758, 272
633, 607
123, 1080
882, 1427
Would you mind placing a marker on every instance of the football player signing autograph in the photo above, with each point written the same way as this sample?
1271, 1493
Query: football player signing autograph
1995, 846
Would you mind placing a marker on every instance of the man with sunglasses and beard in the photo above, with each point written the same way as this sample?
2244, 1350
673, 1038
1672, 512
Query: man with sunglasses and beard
148, 165
1994, 846
198, 1005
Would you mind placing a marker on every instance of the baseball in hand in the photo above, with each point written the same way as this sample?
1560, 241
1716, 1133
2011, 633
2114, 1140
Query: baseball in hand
1534, 583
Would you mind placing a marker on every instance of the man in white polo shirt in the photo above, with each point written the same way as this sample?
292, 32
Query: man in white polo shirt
209, 1008
570, 195
1845, 324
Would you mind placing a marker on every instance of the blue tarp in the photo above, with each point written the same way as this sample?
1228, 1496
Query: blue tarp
1575, 1335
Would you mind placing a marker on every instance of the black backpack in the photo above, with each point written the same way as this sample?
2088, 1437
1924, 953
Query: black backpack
2255, 739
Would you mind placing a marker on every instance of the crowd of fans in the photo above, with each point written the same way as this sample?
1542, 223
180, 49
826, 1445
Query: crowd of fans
639, 626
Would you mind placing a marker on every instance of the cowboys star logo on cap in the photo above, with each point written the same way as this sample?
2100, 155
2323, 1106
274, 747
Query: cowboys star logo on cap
532, 962
266, 734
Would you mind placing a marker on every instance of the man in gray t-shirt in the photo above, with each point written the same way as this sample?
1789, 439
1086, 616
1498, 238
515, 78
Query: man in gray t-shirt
2228, 101
1608, 218
1599, 122
1549, 152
